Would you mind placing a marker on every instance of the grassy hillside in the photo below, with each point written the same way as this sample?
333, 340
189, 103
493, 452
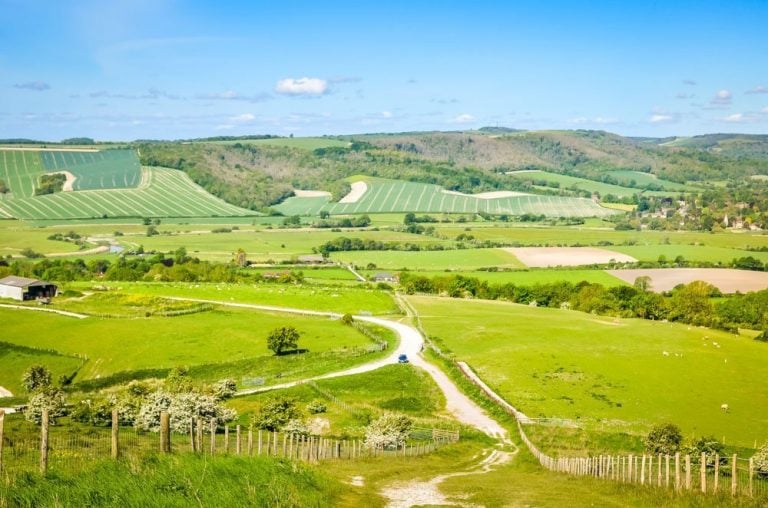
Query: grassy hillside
260, 173
608, 373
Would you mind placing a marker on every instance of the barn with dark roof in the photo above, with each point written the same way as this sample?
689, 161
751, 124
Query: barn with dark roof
23, 289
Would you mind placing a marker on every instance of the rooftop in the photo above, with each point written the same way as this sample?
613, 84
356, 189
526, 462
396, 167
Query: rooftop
21, 282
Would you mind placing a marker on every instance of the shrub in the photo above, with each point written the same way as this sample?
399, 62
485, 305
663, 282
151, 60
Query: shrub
709, 445
389, 431
296, 427
182, 407
97, 413
760, 459
36, 377
224, 389
347, 319
664, 438
316, 407
53, 399
276, 413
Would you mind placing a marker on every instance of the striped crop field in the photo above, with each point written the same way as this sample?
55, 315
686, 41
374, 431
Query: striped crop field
392, 196
106, 169
161, 193
20, 171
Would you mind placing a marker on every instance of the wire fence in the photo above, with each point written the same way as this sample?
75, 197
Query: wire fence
32, 448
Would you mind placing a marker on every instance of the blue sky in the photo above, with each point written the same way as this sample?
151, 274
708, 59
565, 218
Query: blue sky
128, 69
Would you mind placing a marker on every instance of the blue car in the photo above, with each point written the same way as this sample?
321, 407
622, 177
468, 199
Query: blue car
402, 359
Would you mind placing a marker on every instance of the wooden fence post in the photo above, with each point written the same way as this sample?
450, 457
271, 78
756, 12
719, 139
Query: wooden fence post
165, 432
677, 471
658, 478
751, 475
250, 440
734, 478
213, 436
115, 434
2, 423
629, 471
192, 435
666, 467
44, 441
238, 449
226, 439
200, 435
717, 474
687, 471
703, 472
642, 471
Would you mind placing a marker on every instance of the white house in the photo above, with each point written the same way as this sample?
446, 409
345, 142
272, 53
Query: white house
22, 288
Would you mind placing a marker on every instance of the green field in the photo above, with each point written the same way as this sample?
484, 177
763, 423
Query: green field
456, 259
625, 177
608, 373
106, 169
115, 345
20, 171
580, 235
572, 182
331, 299
689, 252
391, 196
162, 193
15, 360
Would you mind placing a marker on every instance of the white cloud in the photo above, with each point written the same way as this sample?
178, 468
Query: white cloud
244, 118
302, 86
463, 118
722, 97
661, 118
386, 114
744, 117
757, 90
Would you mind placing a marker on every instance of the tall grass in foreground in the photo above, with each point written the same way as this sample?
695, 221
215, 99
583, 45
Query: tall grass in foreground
171, 481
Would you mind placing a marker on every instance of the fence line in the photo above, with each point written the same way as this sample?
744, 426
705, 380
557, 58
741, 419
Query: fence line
708, 474
69, 450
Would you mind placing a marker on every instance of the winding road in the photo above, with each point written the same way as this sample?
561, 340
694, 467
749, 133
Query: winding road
411, 344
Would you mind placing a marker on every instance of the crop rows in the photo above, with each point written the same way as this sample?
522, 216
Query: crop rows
20, 170
162, 193
107, 169
392, 196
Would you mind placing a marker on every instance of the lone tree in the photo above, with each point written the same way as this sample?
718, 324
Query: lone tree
283, 339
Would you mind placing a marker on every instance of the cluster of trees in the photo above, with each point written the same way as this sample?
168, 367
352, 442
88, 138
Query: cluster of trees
358, 221
691, 303
344, 244
50, 183
668, 439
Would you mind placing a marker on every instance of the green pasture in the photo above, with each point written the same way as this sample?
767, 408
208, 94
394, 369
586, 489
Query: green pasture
106, 169
351, 300
14, 360
162, 193
220, 335
15, 237
689, 252
401, 388
608, 373
262, 245
456, 259
573, 182
580, 235
626, 176
532, 277
390, 196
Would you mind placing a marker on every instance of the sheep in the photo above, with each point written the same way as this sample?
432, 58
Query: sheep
665, 353
725, 408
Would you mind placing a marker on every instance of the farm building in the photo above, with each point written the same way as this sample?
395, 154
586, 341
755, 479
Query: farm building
311, 259
22, 288
386, 277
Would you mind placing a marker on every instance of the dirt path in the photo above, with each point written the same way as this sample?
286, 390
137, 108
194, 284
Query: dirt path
5, 393
42, 309
404, 494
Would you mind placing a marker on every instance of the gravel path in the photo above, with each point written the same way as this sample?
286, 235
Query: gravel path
42, 309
